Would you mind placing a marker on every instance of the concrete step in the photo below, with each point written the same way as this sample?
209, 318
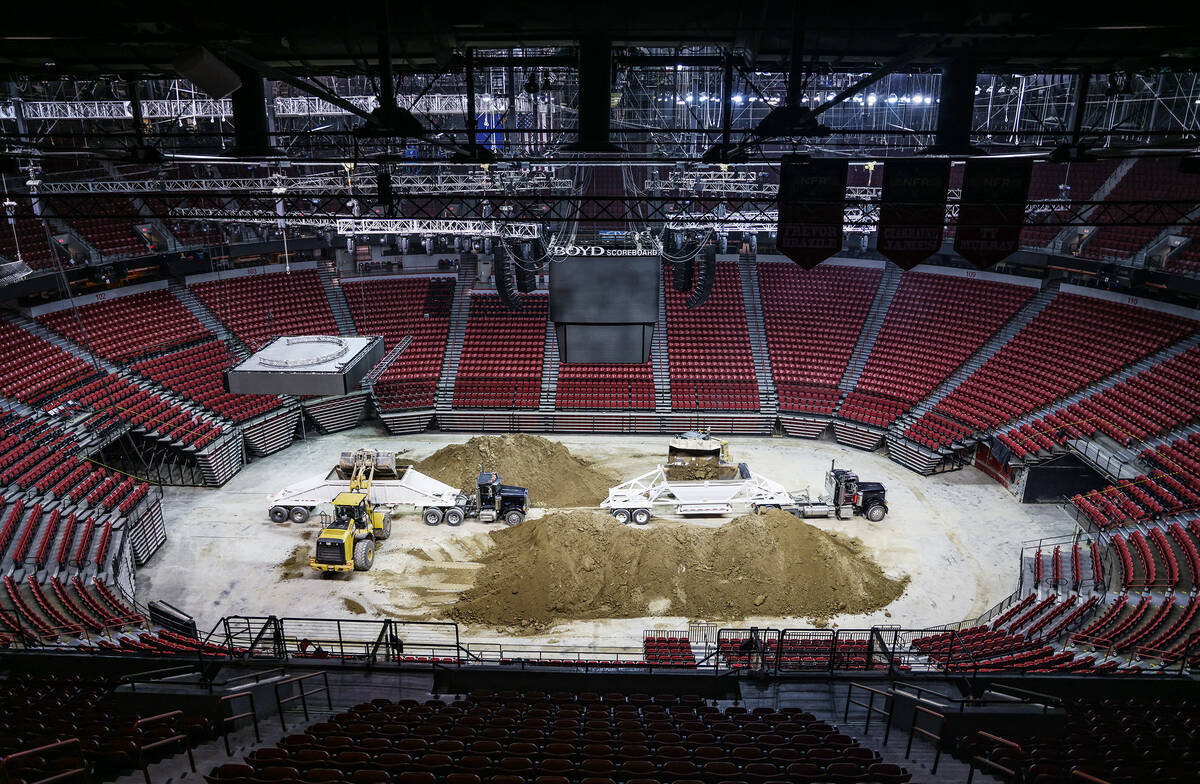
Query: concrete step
870, 329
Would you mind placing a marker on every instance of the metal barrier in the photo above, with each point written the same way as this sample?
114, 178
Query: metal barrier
1075, 774
227, 721
993, 767
62, 775
176, 737
888, 700
936, 737
302, 694
150, 676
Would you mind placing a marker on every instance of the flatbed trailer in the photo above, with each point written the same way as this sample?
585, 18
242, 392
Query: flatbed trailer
412, 488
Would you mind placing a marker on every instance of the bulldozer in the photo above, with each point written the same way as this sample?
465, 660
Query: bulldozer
347, 542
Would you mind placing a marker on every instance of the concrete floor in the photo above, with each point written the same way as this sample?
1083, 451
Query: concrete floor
956, 535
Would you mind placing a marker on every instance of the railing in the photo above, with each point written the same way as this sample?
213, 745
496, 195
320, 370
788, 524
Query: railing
914, 729
174, 738
63, 775
227, 722
302, 694
993, 767
888, 700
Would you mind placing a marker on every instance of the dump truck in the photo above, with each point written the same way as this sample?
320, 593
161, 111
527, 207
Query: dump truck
396, 484
699, 479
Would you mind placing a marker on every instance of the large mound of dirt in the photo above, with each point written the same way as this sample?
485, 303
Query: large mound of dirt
554, 476
584, 565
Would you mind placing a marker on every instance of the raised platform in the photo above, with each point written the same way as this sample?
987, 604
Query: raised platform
306, 365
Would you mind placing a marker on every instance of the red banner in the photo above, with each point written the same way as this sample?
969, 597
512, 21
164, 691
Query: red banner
812, 206
912, 211
992, 211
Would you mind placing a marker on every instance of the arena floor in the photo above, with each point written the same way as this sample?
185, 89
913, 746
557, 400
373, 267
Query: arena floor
957, 536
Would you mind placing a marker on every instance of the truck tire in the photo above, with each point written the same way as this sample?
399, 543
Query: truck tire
876, 512
513, 517
278, 514
453, 516
364, 554
641, 516
432, 516
386, 530
299, 514
621, 515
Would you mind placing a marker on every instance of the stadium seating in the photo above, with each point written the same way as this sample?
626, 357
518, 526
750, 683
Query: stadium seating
712, 367
32, 369
1173, 486
261, 307
1150, 178
1075, 341
812, 320
1106, 737
605, 386
934, 323
1186, 261
113, 236
561, 737
501, 362
395, 308
1152, 402
128, 327
196, 373
30, 236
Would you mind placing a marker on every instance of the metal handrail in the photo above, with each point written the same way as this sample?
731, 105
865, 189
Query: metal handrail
1076, 773
302, 694
176, 737
936, 737
227, 721
83, 770
889, 697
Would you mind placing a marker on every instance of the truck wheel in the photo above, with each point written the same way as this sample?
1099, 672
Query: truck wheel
279, 514
876, 513
621, 515
513, 517
641, 516
385, 530
453, 516
299, 514
364, 554
432, 516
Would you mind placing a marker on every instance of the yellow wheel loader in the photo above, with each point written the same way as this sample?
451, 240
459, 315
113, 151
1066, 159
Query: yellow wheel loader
348, 542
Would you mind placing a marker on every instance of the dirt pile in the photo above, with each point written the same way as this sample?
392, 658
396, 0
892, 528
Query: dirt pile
583, 565
554, 476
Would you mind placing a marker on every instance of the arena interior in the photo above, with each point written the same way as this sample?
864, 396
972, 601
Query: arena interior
622, 394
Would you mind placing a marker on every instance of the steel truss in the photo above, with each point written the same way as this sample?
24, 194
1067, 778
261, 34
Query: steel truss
222, 109
326, 208
497, 181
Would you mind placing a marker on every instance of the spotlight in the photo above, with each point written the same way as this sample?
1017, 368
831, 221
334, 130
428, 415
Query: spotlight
737, 98
892, 98
871, 99
916, 98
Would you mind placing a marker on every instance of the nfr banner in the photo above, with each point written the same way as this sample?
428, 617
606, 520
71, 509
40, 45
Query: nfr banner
992, 211
812, 206
912, 211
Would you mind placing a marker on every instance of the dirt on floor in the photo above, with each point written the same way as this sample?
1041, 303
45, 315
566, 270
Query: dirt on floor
584, 565
554, 477
296, 564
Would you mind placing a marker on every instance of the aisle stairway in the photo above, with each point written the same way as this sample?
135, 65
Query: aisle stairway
459, 311
870, 329
550, 362
768, 396
207, 318
659, 356
327, 272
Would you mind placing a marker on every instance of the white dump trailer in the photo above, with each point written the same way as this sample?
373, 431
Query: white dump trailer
412, 488
633, 501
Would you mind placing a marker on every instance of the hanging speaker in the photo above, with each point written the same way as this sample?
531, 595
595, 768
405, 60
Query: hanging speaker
684, 275
706, 275
525, 270
504, 281
202, 68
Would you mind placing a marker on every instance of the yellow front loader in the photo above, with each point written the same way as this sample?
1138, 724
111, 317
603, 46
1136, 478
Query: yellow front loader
348, 542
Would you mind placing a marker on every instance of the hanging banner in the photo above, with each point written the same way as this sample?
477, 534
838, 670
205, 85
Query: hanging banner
992, 211
812, 206
912, 210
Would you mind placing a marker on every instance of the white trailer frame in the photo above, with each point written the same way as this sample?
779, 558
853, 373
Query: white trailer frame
706, 496
412, 488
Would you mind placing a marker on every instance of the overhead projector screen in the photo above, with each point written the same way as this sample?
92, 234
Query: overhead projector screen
604, 308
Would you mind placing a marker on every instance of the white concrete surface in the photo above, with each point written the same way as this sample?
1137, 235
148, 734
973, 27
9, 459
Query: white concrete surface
956, 535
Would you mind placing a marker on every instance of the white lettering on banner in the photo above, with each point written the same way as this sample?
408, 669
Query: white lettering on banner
595, 250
